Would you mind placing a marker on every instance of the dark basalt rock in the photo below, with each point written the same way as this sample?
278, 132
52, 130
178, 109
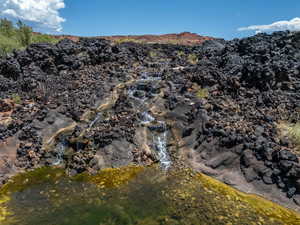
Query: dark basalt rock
251, 84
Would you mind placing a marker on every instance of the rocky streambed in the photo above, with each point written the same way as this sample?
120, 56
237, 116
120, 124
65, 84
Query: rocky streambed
228, 109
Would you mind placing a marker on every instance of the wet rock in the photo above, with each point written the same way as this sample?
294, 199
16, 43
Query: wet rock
158, 128
139, 94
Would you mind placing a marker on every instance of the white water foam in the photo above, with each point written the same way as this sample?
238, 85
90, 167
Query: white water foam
160, 141
60, 149
147, 118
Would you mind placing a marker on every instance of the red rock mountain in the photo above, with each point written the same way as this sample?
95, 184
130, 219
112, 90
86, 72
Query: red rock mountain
185, 38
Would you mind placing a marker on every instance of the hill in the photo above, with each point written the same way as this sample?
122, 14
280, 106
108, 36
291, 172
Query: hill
185, 38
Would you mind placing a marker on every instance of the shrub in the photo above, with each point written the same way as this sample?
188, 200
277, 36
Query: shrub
19, 37
16, 98
7, 45
43, 38
292, 131
202, 93
180, 53
6, 27
24, 34
193, 59
124, 40
153, 54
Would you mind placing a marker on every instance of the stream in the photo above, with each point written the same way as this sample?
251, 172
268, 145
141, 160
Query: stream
141, 94
60, 150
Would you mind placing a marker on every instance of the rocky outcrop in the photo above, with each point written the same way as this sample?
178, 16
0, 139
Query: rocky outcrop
81, 106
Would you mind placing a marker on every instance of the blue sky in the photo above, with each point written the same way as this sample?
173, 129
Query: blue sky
218, 18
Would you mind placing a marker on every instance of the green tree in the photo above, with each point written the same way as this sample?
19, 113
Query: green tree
24, 33
6, 27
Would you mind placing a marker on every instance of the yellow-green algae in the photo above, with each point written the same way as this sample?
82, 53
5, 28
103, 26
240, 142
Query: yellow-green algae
132, 195
111, 177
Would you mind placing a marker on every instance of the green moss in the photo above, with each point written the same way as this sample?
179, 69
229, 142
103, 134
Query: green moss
26, 180
111, 177
132, 195
238, 206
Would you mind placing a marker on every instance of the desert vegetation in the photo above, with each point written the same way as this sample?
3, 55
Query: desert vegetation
18, 36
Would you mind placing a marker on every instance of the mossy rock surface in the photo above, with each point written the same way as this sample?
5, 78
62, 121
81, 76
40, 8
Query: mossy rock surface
132, 195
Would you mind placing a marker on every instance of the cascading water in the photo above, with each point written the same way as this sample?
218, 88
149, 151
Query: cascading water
60, 150
157, 128
160, 142
146, 118
95, 120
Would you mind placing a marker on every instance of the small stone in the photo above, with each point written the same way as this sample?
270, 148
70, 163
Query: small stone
287, 155
285, 165
268, 153
72, 172
295, 171
279, 182
259, 130
28, 145
267, 178
296, 199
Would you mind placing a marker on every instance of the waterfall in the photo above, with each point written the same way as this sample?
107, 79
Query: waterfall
60, 150
160, 142
146, 119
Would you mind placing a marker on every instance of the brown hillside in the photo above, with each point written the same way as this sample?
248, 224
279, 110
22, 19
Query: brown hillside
185, 38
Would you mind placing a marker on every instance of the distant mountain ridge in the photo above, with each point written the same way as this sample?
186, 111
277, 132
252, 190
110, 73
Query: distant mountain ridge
184, 38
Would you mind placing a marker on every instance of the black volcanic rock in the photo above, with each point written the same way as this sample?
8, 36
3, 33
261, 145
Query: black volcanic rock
223, 109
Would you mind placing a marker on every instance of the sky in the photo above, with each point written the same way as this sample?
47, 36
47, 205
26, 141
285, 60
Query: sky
226, 19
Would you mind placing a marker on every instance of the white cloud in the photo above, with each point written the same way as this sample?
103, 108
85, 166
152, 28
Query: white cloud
42, 12
293, 25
